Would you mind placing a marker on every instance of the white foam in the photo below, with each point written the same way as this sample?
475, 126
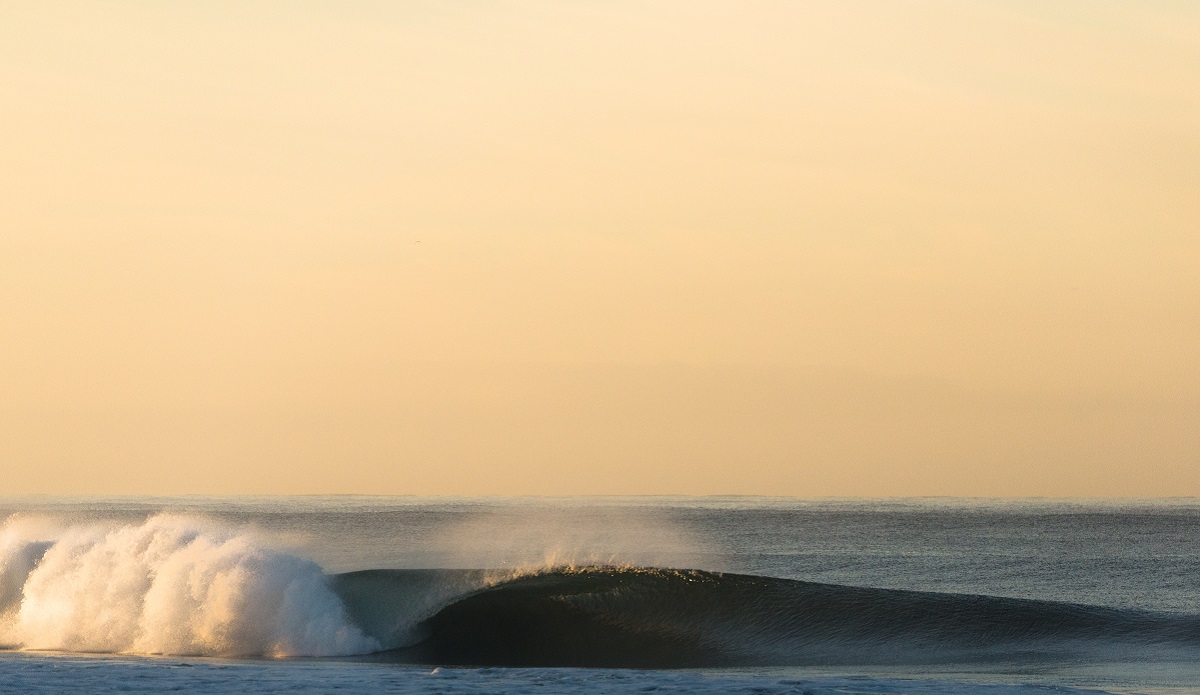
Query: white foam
171, 585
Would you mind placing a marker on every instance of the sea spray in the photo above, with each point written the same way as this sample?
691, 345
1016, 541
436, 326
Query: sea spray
170, 585
520, 541
411, 572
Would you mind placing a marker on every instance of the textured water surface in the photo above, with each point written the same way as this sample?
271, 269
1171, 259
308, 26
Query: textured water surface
615, 594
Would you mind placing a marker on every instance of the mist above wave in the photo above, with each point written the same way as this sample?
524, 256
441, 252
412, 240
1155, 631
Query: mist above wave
169, 585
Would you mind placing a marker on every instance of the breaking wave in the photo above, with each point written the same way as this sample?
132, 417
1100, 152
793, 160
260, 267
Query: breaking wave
171, 585
185, 586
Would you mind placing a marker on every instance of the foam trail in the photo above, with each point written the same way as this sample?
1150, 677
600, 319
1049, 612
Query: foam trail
171, 585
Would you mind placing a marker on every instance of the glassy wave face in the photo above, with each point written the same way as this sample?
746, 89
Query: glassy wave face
658, 618
183, 585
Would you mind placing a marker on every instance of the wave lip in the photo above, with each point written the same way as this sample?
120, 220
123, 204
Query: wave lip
651, 618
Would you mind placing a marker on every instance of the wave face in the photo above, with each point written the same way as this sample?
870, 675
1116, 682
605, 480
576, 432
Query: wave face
170, 585
185, 586
640, 618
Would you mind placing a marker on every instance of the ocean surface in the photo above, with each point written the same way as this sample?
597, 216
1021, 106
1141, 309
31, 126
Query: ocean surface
612, 594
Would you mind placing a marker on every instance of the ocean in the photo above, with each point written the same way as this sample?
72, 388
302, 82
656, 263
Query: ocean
608, 594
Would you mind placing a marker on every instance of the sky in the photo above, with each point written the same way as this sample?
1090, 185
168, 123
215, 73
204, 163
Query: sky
504, 248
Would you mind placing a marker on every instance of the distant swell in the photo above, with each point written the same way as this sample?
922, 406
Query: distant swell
606, 617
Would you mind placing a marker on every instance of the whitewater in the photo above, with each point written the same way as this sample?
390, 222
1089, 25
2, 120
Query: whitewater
358, 594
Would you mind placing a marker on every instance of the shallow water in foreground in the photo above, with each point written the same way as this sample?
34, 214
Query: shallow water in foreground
851, 596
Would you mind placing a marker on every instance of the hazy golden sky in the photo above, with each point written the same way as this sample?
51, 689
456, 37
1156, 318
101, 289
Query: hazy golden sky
804, 248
